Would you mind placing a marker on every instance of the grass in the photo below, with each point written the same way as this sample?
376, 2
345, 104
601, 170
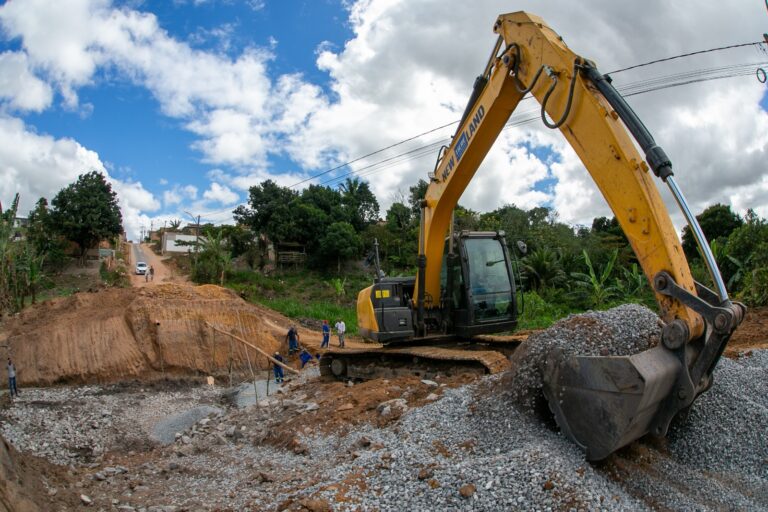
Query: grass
317, 311
302, 294
308, 295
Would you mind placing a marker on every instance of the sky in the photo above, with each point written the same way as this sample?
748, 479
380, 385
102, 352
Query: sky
185, 104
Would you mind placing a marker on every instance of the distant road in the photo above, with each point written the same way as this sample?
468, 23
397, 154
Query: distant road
142, 252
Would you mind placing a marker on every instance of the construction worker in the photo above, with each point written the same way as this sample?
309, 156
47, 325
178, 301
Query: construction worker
292, 337
278, 369
341, 328
326, 335
12, 379
304, 357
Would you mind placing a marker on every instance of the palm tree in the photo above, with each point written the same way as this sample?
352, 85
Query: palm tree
542, 269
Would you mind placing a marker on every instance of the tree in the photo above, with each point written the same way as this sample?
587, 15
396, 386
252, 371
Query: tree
86, 212
398, 218
40, 233
416, 194
340, 242
542, 269
270, 211
174, 225
212, 259
717, 222
359, 202
8, 277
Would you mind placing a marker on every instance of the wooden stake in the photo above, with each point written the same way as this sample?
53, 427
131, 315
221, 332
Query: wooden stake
257, 349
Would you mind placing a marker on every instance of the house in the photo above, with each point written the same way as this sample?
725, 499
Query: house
170, 243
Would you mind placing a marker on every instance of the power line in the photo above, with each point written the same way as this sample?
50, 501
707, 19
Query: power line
345, 164
632, 89
374, 153
666, 59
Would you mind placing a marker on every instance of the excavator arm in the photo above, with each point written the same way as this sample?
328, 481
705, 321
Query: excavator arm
626, 397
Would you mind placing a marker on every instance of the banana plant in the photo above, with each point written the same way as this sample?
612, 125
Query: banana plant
633, 281
593, 285
338, 286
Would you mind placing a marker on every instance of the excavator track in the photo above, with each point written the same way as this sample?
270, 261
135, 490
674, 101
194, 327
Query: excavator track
422, 361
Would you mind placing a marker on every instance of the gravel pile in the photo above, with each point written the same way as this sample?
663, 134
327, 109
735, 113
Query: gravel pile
621, 331
475, 450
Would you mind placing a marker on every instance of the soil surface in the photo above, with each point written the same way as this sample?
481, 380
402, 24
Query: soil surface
751, 334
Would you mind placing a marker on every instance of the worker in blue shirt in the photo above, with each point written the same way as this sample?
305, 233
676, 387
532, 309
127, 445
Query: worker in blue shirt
305, 357
326, 334
292, 337
277, 368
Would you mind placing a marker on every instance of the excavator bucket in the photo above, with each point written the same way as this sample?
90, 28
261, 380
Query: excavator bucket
604, 403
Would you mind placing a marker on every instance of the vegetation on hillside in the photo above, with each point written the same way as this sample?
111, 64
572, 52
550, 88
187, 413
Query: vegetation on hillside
566, 269
33, 253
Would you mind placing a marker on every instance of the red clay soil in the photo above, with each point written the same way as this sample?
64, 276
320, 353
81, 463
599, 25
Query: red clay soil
31, 484
113, 334
751, 334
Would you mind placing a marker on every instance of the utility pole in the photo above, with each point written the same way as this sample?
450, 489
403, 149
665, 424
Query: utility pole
197, 230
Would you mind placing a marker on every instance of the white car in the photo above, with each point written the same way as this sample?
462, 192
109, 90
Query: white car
141, 268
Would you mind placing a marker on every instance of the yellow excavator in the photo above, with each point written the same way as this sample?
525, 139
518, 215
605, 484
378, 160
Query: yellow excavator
465, 285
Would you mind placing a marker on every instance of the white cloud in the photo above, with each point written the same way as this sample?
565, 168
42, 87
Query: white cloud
20, 86
69, 41
221, 194
177, 194
405, 71
35, 166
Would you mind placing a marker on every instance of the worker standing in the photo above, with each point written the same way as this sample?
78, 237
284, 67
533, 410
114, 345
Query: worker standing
279, 376
326, 335
341, 328
292, 337
12, 390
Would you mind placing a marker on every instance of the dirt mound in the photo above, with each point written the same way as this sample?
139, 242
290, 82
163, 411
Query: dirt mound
117, 333
29, 484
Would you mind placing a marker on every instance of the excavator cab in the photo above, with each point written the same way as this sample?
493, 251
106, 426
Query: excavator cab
478, 286
477, 295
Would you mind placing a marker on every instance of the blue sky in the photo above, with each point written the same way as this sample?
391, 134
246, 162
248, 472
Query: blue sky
185, 104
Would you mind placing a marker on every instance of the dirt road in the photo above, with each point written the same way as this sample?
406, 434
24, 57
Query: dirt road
142, 252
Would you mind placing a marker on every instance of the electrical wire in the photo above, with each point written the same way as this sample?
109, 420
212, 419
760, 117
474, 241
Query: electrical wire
757, 44
632, 89
682, 55
641, 87
374, 153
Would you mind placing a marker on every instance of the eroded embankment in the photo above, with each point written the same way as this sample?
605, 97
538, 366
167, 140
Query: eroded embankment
122, 333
